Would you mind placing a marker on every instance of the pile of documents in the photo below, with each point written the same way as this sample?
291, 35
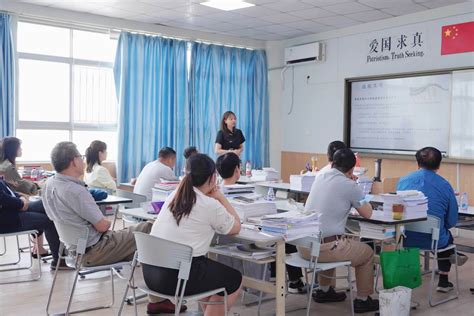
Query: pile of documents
365, 183
267, 174
416, 203
376, 231
243, 251
252, 205
291, 225
302, 182
167, 185
237, 189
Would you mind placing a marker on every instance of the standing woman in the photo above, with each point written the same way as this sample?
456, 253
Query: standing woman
97, 176
10, 149
191, 215
229, 138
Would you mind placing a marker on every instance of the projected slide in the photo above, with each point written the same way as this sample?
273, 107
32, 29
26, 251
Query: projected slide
402, 114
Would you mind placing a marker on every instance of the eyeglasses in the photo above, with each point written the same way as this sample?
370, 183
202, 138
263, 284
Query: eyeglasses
82, 156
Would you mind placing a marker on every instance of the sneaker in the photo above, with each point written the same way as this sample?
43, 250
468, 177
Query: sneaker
62, 265
297, 287
462, 259
330, 296
445, 287
369, 305
163, 307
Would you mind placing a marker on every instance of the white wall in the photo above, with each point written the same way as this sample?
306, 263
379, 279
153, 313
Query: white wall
318, 96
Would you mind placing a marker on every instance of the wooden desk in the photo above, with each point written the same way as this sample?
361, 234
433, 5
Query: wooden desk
248, 236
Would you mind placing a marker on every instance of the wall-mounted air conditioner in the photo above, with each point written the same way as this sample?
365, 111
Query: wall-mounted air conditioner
313, 52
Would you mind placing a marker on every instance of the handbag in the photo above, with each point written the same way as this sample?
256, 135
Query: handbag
401, 267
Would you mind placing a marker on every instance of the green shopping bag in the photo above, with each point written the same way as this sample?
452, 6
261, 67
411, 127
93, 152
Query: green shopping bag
401, 268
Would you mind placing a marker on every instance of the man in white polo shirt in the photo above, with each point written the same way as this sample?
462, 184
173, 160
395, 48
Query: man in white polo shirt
333, 194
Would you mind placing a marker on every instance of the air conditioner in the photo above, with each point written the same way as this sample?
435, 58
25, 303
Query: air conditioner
304, 53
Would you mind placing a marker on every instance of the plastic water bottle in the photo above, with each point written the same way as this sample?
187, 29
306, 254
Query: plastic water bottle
248, 169
464, 205
34, 174
270, 195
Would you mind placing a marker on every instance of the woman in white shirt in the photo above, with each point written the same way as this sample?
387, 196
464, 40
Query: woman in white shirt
97, 176
192, 215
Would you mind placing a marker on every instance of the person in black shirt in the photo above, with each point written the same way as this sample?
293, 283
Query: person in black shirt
229, 138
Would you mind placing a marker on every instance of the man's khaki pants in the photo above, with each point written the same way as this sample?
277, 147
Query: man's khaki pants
359, 254
115, 246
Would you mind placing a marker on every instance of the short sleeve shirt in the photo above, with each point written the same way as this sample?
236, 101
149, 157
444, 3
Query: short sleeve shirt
207, 217
333, 194
231, 140
67, 199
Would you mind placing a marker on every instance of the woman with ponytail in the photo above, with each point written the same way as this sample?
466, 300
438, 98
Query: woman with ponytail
97, 176
192, 215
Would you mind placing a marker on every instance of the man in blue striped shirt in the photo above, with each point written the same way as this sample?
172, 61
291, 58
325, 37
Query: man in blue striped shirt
441, 203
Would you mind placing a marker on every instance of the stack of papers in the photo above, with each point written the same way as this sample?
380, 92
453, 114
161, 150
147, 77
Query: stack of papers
267, 174
376, 231
237, 189
302, 182
167, 185
291, 225
243, 251
416, 203
360, 171
365, 183
252, 205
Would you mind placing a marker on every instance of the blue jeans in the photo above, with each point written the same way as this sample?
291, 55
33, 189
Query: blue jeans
35, 218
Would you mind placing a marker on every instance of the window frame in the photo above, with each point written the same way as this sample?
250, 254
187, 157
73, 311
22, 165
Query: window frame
69, 126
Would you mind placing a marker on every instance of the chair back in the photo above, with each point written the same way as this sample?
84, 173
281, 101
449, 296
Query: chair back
431, 226
136, 198
73, 236
313, 243
163, 253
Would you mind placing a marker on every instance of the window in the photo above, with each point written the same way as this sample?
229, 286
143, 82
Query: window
65, 89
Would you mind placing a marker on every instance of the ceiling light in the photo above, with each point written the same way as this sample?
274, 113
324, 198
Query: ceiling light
227, 5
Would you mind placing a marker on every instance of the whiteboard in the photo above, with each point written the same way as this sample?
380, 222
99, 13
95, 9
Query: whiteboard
401, 115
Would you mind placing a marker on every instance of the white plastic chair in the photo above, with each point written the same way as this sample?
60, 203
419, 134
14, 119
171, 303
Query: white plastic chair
314, 244
159, 252
75, 237
36, 275
432, 226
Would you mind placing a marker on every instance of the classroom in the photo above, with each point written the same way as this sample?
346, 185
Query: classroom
237, 157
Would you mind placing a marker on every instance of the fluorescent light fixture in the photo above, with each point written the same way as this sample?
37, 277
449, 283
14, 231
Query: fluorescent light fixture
227, 5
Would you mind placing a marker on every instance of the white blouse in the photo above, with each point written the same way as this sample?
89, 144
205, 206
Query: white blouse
100, 178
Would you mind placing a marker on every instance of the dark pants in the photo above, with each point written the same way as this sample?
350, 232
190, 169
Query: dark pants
294, 273
35, 218
445, 265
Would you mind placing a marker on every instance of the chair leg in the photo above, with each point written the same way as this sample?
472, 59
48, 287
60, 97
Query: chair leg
377, 274
349, 280
71, 294
310, 292
61, 249
265, 268
225, 303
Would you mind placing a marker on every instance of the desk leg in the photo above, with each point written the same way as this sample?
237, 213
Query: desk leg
398, 232
280, 278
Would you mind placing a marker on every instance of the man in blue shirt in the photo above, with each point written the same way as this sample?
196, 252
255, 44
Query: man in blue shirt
441, 203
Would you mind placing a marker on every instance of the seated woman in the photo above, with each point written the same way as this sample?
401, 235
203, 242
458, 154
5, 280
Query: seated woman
98, 176
10, 149
15, 215
192, 215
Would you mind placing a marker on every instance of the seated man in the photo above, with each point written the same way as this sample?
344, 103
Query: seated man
66, 199
333, 194
332, 148
441, 203
228, 166
190, 151
156, 170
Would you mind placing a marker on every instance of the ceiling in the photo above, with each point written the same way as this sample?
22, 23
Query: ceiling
267, 20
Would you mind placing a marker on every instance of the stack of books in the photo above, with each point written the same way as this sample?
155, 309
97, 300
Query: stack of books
376, 231
291, 225
302, 182
234, 189
416, 203
167, 185
252, 205
266, 174
247, 252
365, 183
25, 172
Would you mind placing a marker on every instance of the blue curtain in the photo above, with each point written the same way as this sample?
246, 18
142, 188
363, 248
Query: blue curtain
222, 79
7, 78
152, 90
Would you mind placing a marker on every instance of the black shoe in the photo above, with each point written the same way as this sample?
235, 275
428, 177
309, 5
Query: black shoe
62, 265
369, 305
330, 296
297, 287
444, 287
